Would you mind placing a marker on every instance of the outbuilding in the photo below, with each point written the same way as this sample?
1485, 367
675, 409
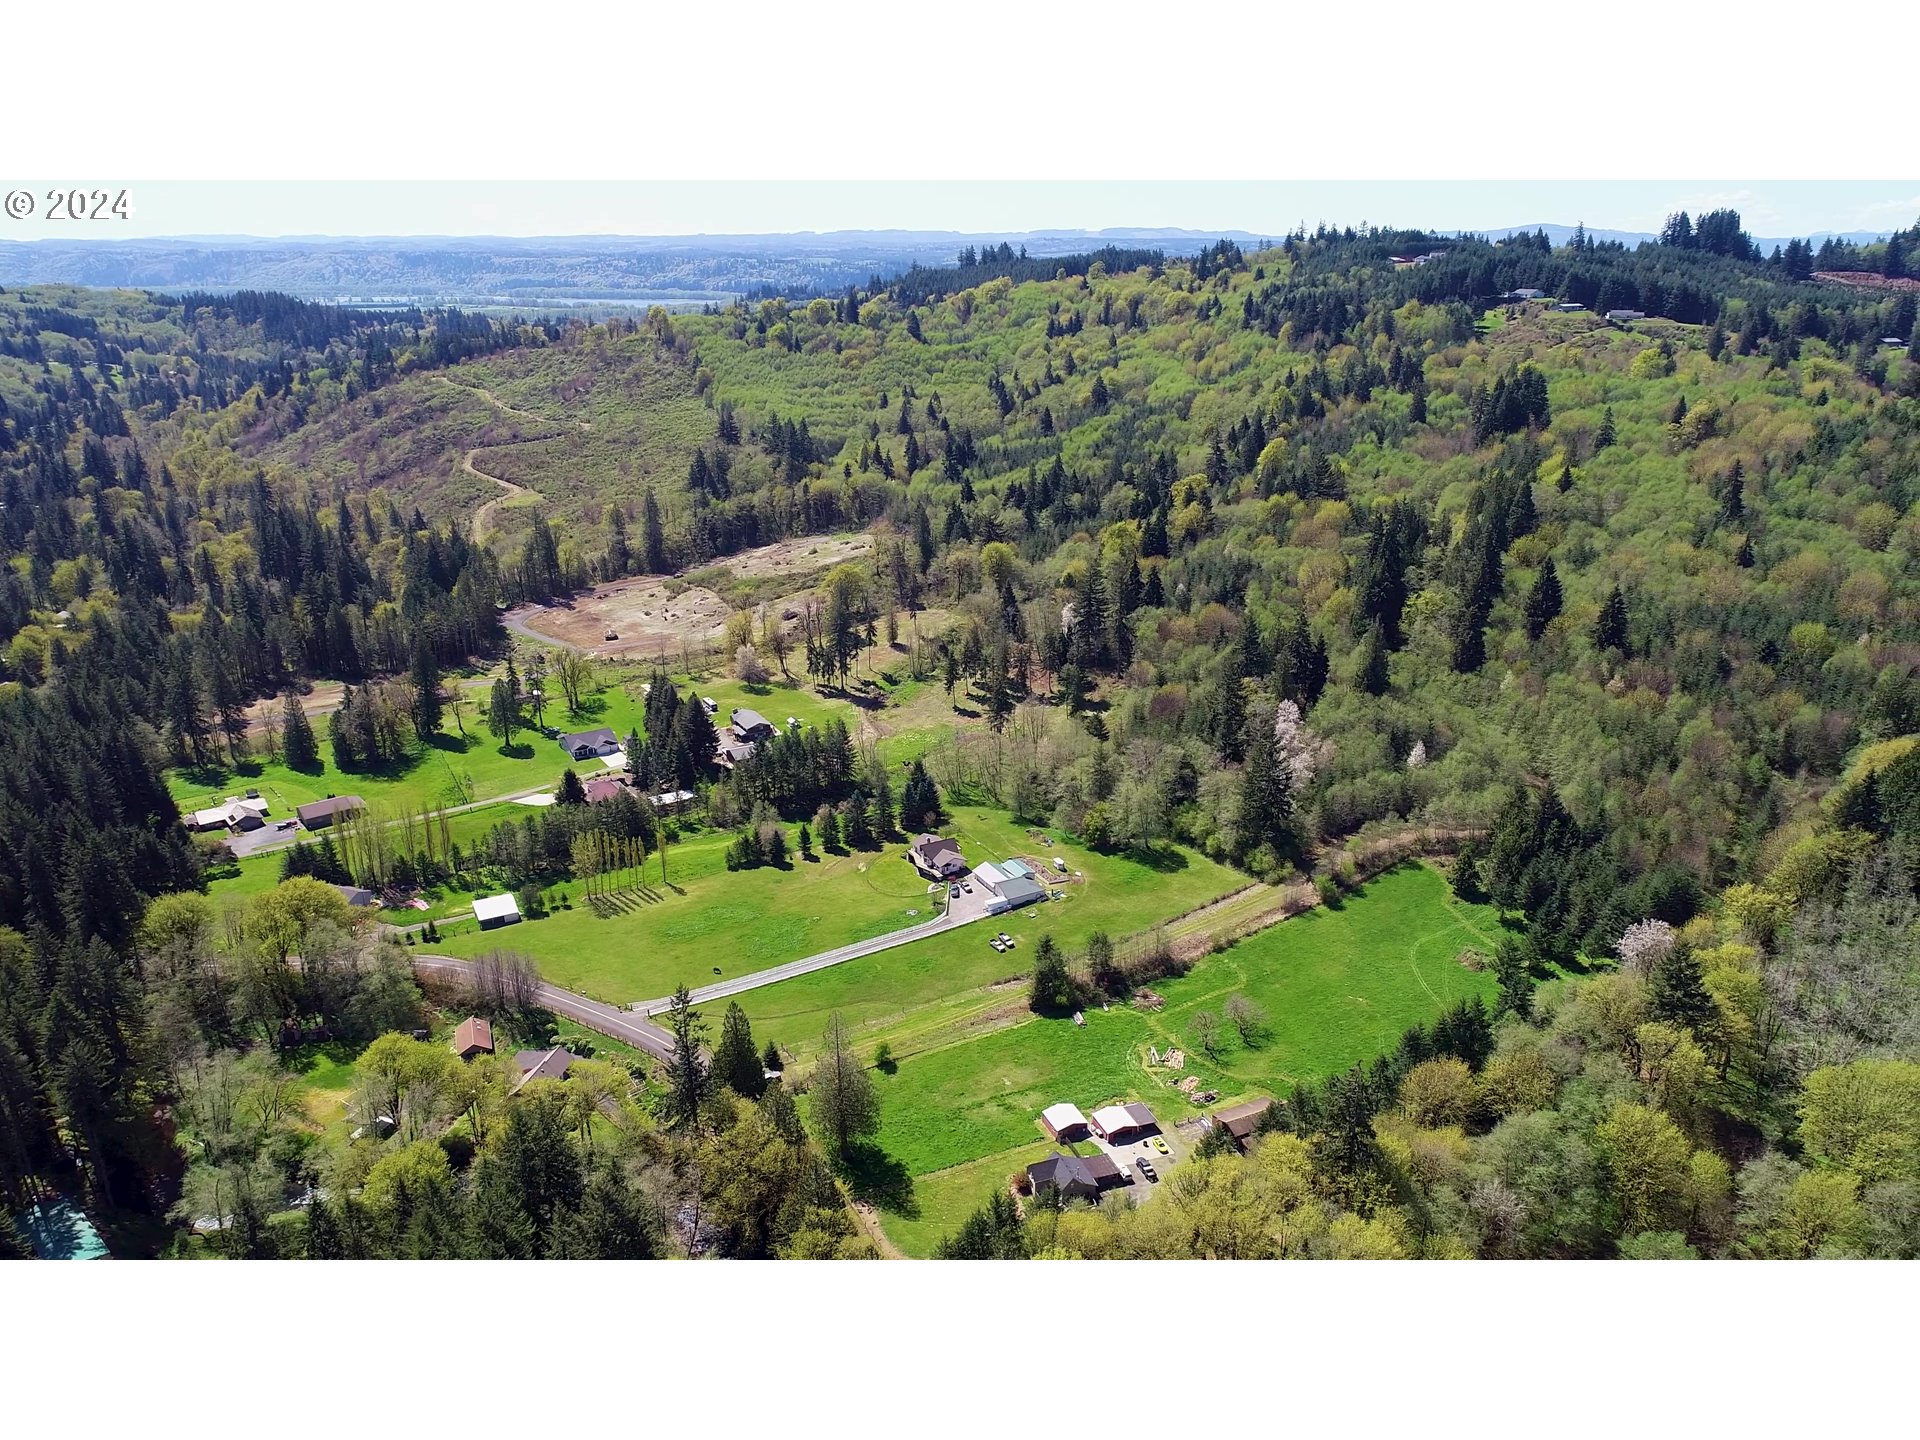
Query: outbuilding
321, 813
357, 896
1118, 1124
1240, 1121
1064, 1122
493, 911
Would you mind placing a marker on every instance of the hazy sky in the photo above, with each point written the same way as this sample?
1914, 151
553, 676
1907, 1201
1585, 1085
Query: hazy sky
1770, 207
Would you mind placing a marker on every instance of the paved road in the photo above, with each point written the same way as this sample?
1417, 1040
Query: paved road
963, 911
611, 1020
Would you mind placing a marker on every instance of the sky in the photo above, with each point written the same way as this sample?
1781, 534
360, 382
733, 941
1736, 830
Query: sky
326, 207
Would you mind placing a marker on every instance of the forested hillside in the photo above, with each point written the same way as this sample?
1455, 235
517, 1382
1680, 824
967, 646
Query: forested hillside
1249, 551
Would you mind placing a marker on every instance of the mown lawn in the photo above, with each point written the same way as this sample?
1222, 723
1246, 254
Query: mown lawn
983, 1095
708, 916
1121, 894
1339, 986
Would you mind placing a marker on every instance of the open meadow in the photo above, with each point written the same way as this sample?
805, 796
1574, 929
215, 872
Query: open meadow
960, 1111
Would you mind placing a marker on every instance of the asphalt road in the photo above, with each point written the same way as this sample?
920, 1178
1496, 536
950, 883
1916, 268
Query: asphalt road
622, 1025
963, 911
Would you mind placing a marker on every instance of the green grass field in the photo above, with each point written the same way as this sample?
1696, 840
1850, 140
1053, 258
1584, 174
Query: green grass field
1339, 987
1121, 894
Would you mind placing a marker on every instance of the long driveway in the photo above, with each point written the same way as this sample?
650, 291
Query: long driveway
964, 910
622, 1025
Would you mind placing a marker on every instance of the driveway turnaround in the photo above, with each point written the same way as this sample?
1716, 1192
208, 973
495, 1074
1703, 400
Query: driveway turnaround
961, 911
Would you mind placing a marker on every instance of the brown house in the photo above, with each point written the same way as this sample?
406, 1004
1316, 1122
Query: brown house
1240, 1121
472, 1037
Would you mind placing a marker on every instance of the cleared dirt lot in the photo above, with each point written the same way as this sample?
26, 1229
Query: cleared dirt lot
649, 619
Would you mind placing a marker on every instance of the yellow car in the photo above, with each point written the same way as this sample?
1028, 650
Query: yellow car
1161, 1145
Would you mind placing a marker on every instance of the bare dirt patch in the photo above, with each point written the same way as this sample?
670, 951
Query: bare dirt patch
644, 615
790, 557
659, 614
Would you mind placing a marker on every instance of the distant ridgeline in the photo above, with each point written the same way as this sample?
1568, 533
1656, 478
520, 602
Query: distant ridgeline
928, 282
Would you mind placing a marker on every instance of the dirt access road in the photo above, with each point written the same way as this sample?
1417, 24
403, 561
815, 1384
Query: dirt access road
513, 494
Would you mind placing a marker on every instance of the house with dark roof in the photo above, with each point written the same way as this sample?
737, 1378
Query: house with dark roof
1240, 1121
936, 857
473, 1036
544, 1064
319, 814
586, 744
355, 895
729, 750
1075, 1177
751, 725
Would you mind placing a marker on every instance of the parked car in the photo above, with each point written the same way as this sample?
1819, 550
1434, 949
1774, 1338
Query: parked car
996, 945
967, 887
1145, 1167
954, 892
1159, 1143
613, 635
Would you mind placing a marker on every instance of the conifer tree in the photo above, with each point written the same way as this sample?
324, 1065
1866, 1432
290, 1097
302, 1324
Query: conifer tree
687, 1076
1051, 990
1543, 600
845, 1106
297, 745
1610, 630
736, 1064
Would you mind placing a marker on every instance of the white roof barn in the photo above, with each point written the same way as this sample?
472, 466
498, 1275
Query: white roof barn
1063, 1119
492, 910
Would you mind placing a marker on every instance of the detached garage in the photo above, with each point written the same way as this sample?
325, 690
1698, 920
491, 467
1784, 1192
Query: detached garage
1123, 1123
1064, 1122
493, 911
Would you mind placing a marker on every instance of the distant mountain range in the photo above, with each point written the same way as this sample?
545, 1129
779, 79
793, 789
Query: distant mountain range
564, 271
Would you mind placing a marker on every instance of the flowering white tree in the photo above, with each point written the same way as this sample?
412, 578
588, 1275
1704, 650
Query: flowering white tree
1645, 945
1304, 751
1417, 756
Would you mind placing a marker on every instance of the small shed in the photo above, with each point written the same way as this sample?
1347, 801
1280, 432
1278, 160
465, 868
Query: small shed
1064, 1122
473, 1036
357, 896
493, 911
